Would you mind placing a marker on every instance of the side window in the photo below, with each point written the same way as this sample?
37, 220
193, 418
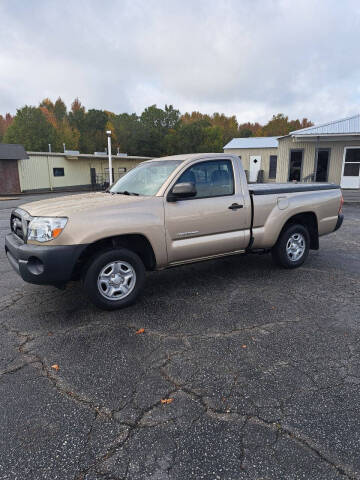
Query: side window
214, 178
58, 172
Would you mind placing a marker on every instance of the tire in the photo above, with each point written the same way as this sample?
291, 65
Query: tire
292, 248
114, 279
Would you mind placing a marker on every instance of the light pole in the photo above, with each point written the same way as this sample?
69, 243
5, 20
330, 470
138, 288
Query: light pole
108, 133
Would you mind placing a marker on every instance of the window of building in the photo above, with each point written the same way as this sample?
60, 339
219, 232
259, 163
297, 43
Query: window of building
211, 178
295, 167
58, 172
122, 169
322, 165
352, 162
273, 166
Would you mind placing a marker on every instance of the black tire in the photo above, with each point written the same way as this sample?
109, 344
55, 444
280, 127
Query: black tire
280, 253
98, 263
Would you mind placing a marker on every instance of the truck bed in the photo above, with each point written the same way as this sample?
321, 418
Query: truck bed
274, 188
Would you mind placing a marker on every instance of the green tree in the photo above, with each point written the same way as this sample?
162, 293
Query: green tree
31, 129
92, 133
154, 124
60, 110
126, 128
213, 140
188, 138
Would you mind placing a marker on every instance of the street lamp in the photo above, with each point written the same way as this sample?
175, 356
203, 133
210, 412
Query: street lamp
108, 133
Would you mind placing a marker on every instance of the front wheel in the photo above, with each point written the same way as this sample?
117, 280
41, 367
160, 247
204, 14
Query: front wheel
114, 279
292, 248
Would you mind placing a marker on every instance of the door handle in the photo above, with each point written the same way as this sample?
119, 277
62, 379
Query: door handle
235, 206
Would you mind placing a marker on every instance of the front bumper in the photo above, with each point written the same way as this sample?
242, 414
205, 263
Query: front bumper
339, 222
43, 265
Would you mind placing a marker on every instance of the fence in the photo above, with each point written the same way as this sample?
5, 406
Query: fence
100, 181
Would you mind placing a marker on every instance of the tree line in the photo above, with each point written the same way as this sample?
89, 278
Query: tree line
156, 132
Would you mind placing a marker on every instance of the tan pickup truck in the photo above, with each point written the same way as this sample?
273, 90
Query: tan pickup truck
163, 213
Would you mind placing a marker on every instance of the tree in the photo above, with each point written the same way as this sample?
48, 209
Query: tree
92, 133
5, 124
280, 125
227, 126
48, 104
249, 129
126, 127
156, 132
77, 115
154, 124
31, 129
60, 110
188, 138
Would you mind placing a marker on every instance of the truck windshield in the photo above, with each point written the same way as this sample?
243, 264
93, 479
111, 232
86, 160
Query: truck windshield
146, 179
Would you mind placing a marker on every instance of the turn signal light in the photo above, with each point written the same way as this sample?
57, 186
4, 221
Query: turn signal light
56, 232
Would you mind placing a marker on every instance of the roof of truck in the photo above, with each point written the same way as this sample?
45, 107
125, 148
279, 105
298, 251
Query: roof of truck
190, 156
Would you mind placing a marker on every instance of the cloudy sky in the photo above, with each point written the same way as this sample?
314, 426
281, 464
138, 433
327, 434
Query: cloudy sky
251, 58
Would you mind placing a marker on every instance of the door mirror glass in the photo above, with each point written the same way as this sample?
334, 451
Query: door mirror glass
182, 190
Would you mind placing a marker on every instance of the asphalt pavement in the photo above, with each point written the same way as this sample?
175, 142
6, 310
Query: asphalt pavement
243, 371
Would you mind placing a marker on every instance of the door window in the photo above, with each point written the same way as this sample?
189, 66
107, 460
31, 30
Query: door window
322, 165
211, 179
296, 157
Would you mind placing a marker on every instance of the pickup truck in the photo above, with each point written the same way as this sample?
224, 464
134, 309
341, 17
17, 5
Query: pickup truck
166, 212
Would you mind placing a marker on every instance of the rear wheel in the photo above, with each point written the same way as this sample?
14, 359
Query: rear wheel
292, 247
114, 278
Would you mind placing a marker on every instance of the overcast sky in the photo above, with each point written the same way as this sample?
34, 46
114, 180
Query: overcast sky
251, 58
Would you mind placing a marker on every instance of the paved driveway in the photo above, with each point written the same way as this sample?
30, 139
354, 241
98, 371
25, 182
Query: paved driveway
261, 365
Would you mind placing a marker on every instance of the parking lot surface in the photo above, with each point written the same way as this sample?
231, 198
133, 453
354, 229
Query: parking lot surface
243, 371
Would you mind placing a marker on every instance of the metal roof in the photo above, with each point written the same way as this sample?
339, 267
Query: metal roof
87, 155
345, 126
12, 151
253, 142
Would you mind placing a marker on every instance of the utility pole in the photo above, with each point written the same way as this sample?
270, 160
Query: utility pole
108, 133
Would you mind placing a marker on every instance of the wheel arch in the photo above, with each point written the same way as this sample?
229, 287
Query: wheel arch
135, 242
308, 220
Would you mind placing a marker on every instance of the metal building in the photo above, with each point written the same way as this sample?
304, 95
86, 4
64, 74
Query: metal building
45, 171
257, 154
329, 152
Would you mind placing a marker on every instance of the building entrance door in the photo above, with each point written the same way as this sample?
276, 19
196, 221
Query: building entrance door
255, 165
351, 168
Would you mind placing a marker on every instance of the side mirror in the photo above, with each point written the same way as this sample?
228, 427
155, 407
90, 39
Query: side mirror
182, 190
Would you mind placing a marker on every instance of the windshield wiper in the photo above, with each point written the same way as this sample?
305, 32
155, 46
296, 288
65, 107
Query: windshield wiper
125, 192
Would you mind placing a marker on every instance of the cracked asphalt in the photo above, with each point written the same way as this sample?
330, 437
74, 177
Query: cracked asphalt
262, 365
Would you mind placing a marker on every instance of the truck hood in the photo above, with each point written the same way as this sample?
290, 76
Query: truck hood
73, 204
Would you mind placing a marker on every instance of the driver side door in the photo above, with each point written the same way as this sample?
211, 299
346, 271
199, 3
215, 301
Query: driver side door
205, 225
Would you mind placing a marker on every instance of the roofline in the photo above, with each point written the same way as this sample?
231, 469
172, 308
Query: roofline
350, 134
247, 138
88, 155
324, 124
253, 147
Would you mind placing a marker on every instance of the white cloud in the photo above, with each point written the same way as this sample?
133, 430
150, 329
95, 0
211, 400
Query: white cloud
251, 58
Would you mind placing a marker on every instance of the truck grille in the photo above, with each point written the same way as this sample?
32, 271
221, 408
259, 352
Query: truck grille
19, 222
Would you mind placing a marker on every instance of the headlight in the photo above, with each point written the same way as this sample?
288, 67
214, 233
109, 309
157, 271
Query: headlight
43, 229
